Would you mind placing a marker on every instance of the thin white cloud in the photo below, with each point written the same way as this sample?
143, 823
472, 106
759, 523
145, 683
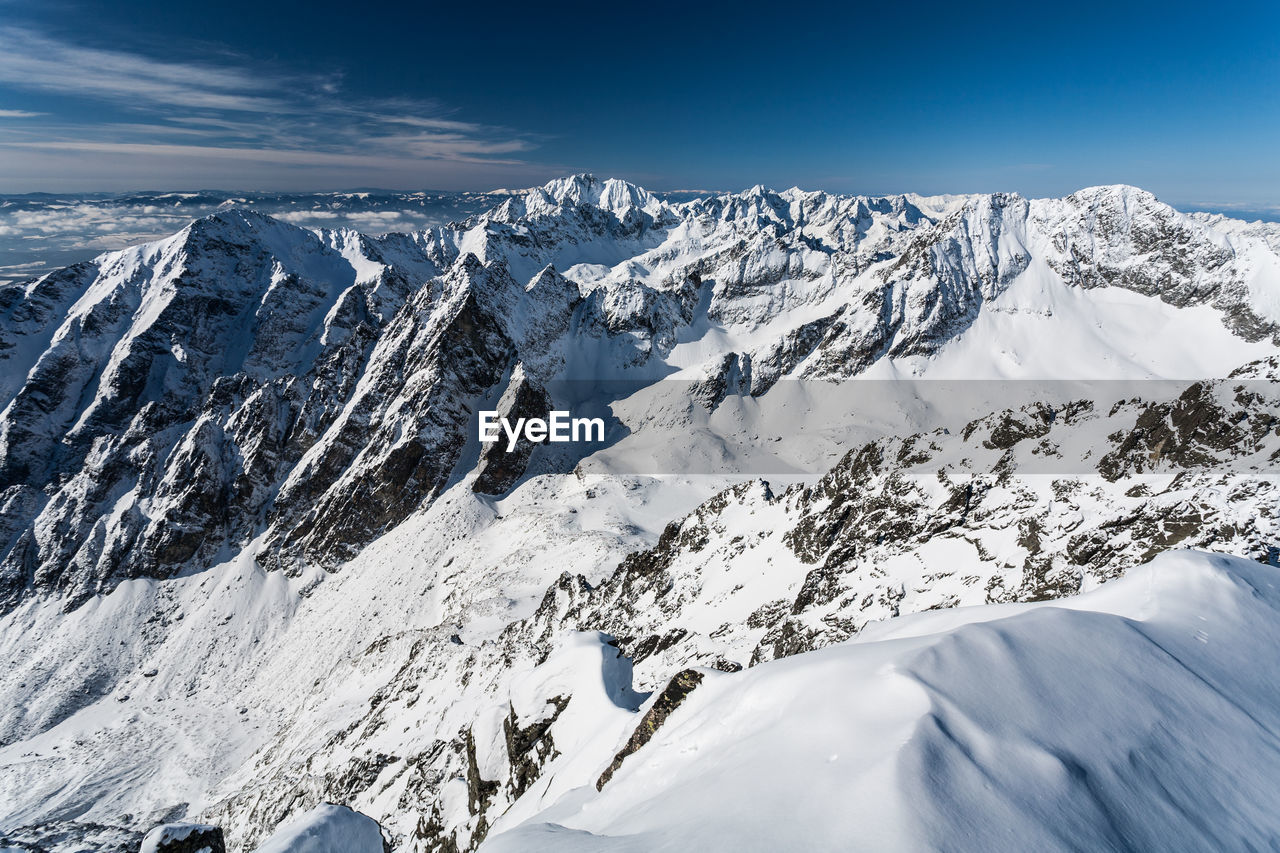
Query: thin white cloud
41, 234
208, 111
19, 114
281, 156
432, 123
306, 217
1230, 206
30, 60
448, 145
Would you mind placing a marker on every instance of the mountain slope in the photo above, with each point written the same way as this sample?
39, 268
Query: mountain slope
255, 560
1130, 718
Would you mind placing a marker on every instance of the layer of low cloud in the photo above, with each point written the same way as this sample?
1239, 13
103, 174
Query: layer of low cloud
40, 234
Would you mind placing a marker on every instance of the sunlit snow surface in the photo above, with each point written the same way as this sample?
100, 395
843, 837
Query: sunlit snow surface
327, 828
1141, 716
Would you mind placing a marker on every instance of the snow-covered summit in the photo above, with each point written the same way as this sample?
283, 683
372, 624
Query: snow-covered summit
611, 194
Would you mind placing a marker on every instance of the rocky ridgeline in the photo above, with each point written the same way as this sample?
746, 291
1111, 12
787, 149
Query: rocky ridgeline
945, 519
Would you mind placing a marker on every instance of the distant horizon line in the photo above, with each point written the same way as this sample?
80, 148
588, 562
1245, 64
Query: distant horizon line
1235, 210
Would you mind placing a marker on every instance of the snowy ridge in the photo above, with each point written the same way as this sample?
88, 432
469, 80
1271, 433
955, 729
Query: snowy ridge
963, 729
252, 559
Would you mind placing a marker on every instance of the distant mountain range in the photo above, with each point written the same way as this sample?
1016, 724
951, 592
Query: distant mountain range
40, 232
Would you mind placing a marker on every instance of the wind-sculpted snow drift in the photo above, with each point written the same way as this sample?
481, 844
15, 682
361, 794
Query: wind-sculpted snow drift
1135, 717
253, 558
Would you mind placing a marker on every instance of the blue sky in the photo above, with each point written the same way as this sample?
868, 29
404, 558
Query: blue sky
1180, 98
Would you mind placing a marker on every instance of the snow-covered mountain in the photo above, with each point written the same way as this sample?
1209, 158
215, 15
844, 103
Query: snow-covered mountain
253, 558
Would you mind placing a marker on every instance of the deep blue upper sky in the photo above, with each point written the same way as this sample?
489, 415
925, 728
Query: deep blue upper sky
1181, 98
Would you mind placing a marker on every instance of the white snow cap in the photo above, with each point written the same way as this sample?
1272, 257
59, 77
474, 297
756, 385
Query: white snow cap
611, 194
169, 833
327, 828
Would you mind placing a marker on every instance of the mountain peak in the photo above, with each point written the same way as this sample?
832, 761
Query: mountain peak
611, 194
236, 224
1115, 195
237, 217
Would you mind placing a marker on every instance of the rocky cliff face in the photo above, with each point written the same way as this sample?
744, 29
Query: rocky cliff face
243, 500
943, 519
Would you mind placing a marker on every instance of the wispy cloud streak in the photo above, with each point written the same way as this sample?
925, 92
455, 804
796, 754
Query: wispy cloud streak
30, 60
215, 110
